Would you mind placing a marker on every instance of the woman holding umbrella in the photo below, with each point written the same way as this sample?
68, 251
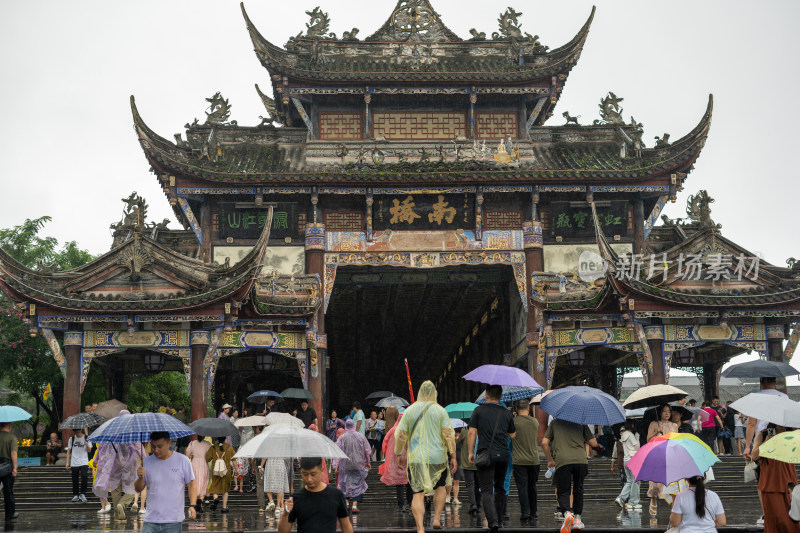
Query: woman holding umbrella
773, 484
196, 452
221, 457
662, 426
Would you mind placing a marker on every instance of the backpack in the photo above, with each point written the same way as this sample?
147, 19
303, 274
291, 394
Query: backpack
220, 468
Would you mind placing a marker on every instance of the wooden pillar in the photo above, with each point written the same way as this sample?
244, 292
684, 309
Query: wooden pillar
775, 350
205, 225
73, 344
196, 381
658, 376
534, 263
710, 381
638, 225
315, 366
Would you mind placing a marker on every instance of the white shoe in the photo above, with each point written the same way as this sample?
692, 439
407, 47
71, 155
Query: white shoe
142, 511
637, 506
620, 503
760, 522
578, 524
277, 513
270, 507
456, 502
447, 500
135, 507
75, 498
105, 510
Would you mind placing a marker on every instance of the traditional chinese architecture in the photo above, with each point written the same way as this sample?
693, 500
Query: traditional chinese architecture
406, 197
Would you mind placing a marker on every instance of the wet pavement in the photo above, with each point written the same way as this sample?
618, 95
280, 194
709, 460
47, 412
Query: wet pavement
597, 516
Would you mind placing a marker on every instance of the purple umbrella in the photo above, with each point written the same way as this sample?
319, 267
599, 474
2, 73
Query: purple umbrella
502, 375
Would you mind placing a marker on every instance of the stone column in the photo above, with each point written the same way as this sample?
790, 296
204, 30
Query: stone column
655, 339
200, 342
775, 349
318, 347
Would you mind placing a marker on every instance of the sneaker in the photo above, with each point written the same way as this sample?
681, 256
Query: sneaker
277, 513
760, 522
75, 498
105, 510
620, 503
569, 520
82, 497
578, 524
637, 506
142, 511
120, 512
456, 502
447, 500
270, 507
135, 507
558, 515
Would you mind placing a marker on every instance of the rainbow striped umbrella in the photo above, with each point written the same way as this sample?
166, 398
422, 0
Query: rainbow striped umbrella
671, 457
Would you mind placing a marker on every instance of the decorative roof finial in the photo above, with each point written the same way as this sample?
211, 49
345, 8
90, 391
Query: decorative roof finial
699, 210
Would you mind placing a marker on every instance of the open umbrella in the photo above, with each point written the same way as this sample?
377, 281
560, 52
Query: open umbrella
298, 394
379, 394
457, 423
654, 395
783, 447
461, 410
283, 418
392, 401
671, 457
536, 400
81, 421
137, 427
214, 427
583, 405
512, 394
285, 440
779, 410
12, 413
760, 368
502, 375
263, 395
250, 421
635, 413
109, 409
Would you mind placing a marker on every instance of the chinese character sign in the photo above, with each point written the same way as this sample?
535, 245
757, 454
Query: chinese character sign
424, 211
571, 220
248, 223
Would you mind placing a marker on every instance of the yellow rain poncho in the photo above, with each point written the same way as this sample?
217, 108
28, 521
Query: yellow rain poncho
425, 428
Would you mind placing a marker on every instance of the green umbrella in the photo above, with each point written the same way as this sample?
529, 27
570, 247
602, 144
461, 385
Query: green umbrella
461, 410
300, 394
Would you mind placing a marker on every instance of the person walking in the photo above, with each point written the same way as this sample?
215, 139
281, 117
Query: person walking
196, 453
525, 456
426, 434
775, 483
317, 507
663, 426
373, 435
492, 425
390, 471
458, 475
165, 474
352, 472
470, 477
220, 455
306, 414
225, 414
8, 469
78, 448
631, 493
740, 422
276, 484
358, 418
564, 447
333, 425
697, 510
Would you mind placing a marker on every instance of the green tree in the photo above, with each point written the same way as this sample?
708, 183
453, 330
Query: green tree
25, 361
150, 392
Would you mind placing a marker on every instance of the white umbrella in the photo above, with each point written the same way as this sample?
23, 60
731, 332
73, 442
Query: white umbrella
458, 423
779, 410
286, 440
654, 395
284, 418
250, 421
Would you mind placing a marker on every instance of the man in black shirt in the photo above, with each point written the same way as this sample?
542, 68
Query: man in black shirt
317, 506
493, 425
307, 415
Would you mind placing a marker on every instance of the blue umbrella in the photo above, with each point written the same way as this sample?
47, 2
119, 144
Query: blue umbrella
583, 405
512, 394
12, 413
263, 395
502, 375
138, 427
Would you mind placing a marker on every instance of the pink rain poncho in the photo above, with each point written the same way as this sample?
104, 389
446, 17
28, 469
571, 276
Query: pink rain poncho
116, 465
352, 471
426, 431
391, 473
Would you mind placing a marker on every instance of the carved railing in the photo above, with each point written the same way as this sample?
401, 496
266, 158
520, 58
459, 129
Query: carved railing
285, 294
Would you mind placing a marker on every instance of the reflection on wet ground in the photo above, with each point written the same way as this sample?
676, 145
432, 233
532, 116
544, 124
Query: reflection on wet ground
598, 515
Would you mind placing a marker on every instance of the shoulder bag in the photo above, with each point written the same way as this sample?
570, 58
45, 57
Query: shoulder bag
483, 458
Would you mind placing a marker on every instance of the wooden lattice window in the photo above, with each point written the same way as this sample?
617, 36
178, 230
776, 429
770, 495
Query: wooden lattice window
509, 220
344, 221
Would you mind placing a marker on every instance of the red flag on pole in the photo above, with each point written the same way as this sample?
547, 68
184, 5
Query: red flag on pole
410, 388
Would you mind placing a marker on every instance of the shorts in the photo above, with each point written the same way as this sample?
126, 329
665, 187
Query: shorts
738, 432
442, 480
459, 475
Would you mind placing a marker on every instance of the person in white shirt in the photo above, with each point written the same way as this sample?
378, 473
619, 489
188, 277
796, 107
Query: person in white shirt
78, 448
629, 497
740, 422
697, 510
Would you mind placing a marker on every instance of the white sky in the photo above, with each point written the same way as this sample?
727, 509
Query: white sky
68, 69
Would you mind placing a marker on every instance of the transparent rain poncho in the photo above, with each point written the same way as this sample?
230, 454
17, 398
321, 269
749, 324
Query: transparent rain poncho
427, 432
352, 471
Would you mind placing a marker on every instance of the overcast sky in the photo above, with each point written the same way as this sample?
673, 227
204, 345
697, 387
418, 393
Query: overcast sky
68, 68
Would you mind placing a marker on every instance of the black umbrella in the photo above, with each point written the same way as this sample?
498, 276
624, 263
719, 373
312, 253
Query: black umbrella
214, 427
81, 421
263, 395
300, 394
760, 368
379, 395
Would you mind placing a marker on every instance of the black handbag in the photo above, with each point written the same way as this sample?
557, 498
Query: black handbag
6, 467
483, 459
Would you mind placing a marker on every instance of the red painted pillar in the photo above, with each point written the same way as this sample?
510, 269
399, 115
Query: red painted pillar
534, 262
72, 384
196, 377
775, 350
318, 346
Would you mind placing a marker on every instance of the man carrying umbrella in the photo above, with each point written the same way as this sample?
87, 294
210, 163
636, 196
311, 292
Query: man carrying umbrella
165, 473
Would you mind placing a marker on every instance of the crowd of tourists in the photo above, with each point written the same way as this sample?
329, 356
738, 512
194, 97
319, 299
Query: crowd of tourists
418, 452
